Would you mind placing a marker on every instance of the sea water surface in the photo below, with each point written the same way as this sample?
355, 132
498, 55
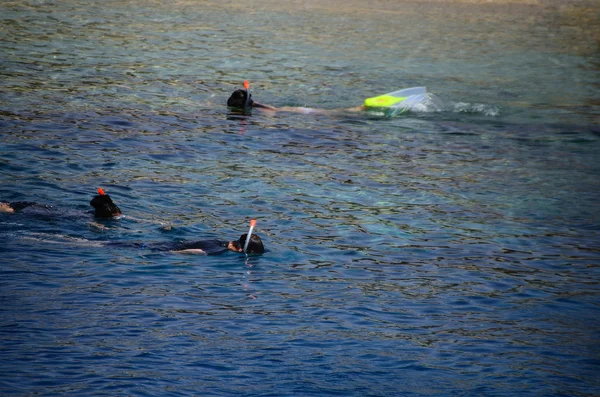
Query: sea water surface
449, 250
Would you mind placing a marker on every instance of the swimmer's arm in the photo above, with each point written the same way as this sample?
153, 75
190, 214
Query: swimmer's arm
266, 107
195, 251
303, 110
356, 109
281, 109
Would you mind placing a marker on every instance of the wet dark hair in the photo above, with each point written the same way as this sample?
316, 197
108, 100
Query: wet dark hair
105, 208
238, 100
255, 246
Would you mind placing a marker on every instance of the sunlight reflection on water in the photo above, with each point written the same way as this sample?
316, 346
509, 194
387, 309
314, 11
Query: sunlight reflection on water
431, 253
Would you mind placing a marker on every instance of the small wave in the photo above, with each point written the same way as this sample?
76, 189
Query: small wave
422, 103
11, 224
479, 108
431, 103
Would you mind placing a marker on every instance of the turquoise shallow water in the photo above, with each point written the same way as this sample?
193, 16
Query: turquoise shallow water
446, 252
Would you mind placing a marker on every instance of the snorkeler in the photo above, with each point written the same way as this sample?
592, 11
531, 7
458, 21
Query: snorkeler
252, 245
103, 205
242, 99
205, 247
397, 102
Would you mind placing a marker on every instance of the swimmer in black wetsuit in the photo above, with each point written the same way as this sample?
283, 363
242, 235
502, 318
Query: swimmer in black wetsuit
255, 246
103, 205
207, 247
17, 206
240, 100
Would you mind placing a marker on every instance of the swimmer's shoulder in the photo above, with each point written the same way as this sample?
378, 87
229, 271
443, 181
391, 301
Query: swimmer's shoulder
261, 106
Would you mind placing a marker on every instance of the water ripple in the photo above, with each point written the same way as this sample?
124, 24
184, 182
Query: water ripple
446, 250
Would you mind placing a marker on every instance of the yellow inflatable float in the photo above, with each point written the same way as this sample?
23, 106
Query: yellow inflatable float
394, 99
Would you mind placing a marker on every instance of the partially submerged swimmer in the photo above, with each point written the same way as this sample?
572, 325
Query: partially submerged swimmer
103, 205
242, 99
205, 247
397, 102
17, 206
211, 247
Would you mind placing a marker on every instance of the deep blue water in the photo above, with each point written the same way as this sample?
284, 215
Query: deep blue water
441, 252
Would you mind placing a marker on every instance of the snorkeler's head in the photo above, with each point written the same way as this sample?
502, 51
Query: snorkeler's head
104, 206
238, 100
255, 246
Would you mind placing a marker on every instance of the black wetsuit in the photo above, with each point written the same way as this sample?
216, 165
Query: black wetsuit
31, 208
21, 205
105, 210
50, 212
210, 247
